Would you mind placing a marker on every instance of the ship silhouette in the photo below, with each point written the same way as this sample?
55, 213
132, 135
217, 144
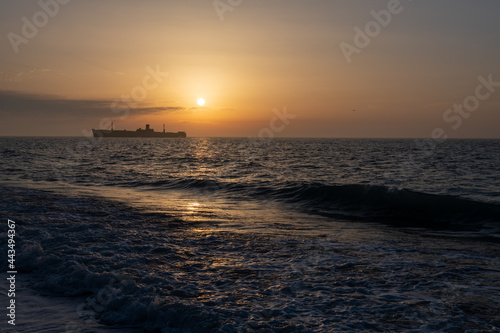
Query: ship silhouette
139, 133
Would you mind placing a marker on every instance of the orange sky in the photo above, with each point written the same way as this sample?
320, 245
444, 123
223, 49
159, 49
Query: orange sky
262, 56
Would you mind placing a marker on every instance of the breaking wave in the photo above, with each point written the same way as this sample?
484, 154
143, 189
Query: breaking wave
375, 203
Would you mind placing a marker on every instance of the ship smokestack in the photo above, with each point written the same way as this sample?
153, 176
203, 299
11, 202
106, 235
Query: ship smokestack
147, 127
163, 128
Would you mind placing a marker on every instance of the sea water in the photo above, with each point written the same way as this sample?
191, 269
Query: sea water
257, 235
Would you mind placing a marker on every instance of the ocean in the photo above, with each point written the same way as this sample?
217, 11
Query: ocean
252, 235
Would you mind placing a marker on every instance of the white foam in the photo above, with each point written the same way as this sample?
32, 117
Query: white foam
36, 313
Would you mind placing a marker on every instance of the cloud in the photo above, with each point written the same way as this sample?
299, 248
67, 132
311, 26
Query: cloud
21, 76
18, 104
153, 110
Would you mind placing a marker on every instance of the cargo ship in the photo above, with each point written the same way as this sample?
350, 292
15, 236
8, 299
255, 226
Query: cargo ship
139, 133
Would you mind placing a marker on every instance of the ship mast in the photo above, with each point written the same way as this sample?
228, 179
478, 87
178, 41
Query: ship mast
163, 128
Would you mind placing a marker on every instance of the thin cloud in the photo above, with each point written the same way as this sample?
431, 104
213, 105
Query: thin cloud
18, 104
21, 76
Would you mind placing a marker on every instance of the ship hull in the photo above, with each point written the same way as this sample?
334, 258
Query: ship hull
135, 134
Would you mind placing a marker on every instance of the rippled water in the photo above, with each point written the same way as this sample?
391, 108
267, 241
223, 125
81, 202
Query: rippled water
468, 168
246, 235
391, 181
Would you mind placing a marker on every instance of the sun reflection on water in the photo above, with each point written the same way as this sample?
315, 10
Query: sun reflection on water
193, 206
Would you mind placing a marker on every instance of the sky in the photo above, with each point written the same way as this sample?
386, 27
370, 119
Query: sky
284, 68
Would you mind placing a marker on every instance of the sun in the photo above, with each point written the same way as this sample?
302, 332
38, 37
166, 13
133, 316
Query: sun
201, 101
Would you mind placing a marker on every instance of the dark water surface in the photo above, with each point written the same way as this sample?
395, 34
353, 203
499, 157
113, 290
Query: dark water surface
246, 235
